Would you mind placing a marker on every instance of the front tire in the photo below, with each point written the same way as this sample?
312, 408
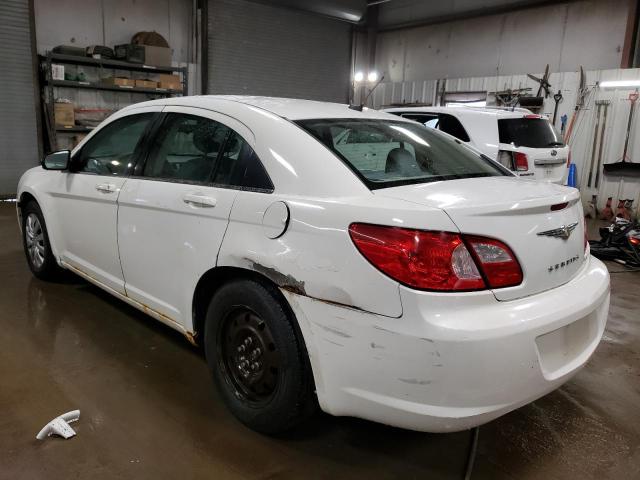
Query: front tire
36, 244
257, 358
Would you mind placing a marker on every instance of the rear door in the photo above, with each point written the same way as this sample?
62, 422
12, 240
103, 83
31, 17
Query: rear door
174, 211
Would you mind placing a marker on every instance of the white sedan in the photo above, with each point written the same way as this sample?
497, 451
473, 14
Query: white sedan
324, 255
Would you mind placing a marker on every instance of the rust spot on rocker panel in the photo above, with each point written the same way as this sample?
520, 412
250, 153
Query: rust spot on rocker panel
191, 337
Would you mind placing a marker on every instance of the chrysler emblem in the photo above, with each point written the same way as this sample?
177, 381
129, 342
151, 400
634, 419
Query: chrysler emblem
554, 153
563, 232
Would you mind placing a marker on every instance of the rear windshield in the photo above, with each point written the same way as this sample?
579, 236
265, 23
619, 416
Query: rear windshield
385, 153
529, 132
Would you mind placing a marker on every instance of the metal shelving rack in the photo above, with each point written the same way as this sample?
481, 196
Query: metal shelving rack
49, 85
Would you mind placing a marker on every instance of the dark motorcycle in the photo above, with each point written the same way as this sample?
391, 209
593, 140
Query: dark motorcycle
619, 242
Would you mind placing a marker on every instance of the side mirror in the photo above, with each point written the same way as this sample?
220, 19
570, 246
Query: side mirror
57, 160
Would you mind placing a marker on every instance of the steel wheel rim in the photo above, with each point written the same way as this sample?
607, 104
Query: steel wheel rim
248, 356
34, 239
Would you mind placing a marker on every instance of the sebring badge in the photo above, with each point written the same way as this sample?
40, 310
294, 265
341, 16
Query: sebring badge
566, 263
563, 232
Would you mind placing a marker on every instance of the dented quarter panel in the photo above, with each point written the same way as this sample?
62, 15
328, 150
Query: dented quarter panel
315, 256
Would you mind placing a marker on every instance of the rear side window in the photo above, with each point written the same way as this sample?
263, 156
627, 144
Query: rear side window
185, 148
442, 121
194, 149
240, 166
529, 132
386, 153
420, 117
451, 125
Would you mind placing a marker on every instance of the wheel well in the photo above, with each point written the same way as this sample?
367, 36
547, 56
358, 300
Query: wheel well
212, 280
25, 198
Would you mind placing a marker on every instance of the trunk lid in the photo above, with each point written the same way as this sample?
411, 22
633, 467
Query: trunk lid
515, 212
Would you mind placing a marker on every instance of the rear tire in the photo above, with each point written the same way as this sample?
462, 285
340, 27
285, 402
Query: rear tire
257, 359
36, 244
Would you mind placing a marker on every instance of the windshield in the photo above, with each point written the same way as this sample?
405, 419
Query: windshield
529, 132
385, 153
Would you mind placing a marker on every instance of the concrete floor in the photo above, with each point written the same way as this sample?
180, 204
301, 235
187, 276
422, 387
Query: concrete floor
149, 409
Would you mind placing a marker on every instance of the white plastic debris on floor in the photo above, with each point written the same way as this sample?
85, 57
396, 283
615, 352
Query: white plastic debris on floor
60, 426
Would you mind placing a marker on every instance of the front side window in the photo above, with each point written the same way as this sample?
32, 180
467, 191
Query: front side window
390, 153
185, 148
111, 150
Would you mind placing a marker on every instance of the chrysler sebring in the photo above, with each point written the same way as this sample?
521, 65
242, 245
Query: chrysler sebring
324, 255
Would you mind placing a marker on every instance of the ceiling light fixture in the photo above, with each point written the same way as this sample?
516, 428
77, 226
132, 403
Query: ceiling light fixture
619, 83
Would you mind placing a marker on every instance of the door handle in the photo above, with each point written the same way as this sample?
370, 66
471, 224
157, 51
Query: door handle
199, 200
106, 187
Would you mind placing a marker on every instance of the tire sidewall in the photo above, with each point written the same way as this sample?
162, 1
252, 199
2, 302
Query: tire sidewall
49, 263
276, 414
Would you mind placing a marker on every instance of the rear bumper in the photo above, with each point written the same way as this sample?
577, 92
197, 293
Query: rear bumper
452, 362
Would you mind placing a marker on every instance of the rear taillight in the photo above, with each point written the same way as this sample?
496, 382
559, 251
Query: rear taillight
521, 161
497, 261
569, 159
439, 261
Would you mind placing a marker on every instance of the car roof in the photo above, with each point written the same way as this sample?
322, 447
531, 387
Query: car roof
289, 108
498, 112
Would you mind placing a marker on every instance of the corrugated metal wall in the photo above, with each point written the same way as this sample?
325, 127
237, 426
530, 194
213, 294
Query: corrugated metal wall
257, 49
564, 35
18, 125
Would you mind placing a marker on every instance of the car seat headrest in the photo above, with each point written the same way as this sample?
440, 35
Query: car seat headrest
400, 160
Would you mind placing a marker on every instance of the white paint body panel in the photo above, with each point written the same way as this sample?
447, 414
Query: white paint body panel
378, 350
482, 127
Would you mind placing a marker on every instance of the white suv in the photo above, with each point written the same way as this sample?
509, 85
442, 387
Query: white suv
524, 142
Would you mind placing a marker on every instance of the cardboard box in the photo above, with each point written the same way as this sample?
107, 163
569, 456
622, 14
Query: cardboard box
170, 82
158, 56
119, 81
146, 83
63, 115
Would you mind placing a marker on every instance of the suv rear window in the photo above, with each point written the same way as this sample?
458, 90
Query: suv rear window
385, 153
529, 132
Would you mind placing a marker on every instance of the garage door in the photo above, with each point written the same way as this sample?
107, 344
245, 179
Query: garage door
18, 126
258, 49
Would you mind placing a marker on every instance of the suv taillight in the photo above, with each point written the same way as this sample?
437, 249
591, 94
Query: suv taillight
521, 161
440, 261
569, 159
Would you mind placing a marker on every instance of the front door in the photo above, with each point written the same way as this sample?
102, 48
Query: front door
86, 197
173, 213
